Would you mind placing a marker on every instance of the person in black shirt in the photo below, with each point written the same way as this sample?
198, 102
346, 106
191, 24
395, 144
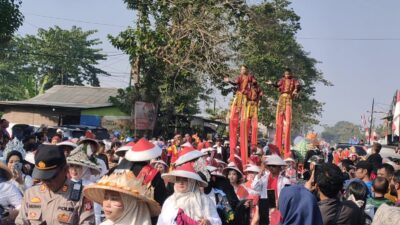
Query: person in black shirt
375, 158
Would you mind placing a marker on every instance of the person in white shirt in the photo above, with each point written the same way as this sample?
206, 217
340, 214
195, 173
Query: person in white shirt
10, 197
81, 169
188, 204
269, 180
21, 180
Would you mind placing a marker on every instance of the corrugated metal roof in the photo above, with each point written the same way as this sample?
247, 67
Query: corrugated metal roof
70, 97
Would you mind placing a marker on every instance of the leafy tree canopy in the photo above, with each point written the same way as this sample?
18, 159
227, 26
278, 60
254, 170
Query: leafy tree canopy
11, 19
35, 63
341, 132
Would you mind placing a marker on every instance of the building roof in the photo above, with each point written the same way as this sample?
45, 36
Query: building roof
81, 97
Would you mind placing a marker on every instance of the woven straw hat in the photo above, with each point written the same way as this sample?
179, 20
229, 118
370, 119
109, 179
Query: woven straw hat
126, 183
79, 157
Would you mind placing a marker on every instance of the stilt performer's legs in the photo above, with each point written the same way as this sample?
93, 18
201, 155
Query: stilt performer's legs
283, 115
288, 121
279, 130
244, 133
233, 126
254, 126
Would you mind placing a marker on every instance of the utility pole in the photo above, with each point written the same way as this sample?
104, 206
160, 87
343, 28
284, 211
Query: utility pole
135, 73
215, 100
371, 120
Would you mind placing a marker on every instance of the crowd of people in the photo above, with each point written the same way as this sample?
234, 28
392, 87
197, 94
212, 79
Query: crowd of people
189, 180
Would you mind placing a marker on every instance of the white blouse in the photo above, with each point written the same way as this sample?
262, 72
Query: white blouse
10, 195
169, 213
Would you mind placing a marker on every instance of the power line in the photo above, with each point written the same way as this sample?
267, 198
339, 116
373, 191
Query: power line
75, 20
347, 39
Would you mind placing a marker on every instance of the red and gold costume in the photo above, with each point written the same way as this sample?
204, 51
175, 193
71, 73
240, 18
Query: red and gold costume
174, 149
288, 87
250, 119
238, 106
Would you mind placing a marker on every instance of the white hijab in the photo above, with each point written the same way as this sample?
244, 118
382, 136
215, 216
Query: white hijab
194, 203
135, 213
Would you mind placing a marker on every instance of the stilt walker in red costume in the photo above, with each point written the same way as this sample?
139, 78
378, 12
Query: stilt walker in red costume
239, 104
289, 88
251, 113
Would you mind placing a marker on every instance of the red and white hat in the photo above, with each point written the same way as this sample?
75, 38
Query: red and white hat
126, 147
186, 171
143, 150
154, 163
188, 153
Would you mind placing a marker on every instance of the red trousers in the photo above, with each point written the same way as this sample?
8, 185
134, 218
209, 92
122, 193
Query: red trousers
238, 105
283, 125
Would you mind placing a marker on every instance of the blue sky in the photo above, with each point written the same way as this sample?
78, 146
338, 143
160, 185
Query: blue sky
357, 43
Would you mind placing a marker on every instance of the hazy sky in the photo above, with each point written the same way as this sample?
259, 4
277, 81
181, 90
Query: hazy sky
357, 43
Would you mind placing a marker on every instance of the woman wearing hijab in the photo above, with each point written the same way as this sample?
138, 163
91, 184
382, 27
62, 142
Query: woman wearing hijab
81, 169
298, 206
188, 205
125, 200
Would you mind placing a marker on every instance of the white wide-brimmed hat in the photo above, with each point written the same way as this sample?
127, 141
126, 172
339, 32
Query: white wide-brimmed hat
207, 150
143, 150
211, 168
252, 168
275, 160
67, 143
186, 171
221, 163
232, 166
289, 160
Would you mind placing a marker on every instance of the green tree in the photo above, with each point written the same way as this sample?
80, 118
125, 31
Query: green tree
217, 114
11, 19
35, 63
341, 132
268, 46
186, 45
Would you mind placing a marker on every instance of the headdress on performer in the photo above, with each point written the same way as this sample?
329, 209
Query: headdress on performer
14, 145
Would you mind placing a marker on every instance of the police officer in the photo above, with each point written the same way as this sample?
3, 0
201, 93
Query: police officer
57, 200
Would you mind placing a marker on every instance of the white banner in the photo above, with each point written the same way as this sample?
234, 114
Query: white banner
145, 116
396, 116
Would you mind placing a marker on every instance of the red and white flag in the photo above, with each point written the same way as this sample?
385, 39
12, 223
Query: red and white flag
396, 116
